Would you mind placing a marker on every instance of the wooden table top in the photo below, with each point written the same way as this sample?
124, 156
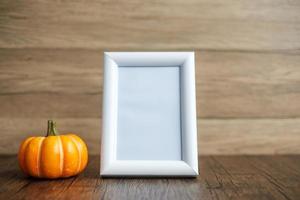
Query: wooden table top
221, 177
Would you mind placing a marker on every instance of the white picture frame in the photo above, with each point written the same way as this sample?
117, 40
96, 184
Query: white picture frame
187, 164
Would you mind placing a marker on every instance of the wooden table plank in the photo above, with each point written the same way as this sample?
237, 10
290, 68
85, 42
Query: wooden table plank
278, 172
260, 179
150, 24
234, 136
221, 177
68, 83
11, 179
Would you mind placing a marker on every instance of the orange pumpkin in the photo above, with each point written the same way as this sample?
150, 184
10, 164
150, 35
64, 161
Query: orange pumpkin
53, 156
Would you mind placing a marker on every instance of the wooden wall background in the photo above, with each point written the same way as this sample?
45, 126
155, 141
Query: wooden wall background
247, 55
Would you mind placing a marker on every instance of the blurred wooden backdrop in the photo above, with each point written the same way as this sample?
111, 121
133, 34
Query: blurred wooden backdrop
247, 54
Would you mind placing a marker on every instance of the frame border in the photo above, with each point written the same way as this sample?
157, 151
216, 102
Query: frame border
188, 166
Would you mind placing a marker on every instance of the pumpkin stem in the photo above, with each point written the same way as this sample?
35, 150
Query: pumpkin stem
51, 128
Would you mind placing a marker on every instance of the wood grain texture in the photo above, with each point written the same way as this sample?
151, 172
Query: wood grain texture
253, 136
151, 24
247, 56
221, 177
69, 82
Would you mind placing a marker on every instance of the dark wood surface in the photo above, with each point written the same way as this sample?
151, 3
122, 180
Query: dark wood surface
221, 177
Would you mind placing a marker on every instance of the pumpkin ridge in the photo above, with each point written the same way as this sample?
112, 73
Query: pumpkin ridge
31, 157
83, 149
39, 157
78, 150
22, 158
61, 156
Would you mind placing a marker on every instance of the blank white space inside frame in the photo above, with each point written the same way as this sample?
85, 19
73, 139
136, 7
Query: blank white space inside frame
149, 124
